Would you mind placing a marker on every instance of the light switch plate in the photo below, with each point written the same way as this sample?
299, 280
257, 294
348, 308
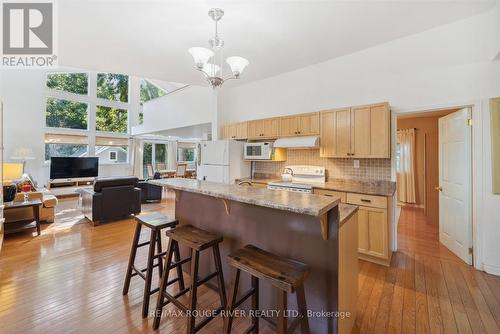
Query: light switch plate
356, 164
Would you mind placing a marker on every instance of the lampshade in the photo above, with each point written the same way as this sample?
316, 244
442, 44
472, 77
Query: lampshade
12, 171
201, 56
211, 69
237, 65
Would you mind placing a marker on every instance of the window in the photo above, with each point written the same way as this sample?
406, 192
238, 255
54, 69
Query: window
154, 158
112, 87
110, 119
111, 150
160, 154
186, 152
66, 114
57, 145
150, 91
76, 83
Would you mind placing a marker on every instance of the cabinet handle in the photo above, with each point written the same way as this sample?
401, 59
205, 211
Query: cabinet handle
366, 200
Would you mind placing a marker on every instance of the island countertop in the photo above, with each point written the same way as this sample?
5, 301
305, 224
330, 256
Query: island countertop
307, 204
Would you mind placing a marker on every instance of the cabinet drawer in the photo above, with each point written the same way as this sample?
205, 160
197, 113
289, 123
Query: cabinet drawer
331, 193
367, 200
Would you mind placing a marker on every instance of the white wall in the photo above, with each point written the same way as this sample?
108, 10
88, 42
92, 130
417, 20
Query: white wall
24, 94
186, 107
447, 66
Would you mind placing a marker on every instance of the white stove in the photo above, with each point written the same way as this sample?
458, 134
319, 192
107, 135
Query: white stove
303, 177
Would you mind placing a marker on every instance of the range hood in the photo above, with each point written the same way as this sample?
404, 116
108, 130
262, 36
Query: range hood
297, 142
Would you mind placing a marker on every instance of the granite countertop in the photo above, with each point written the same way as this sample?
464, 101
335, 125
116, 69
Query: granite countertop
307, 204
368, 187
346, 211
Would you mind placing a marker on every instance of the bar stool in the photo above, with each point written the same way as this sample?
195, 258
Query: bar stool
156, 222
286, 275
196, 240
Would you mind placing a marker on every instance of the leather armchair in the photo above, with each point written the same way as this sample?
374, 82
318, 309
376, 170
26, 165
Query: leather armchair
150, 192
111, 198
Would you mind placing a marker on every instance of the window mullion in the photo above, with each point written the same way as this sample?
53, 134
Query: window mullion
92, 112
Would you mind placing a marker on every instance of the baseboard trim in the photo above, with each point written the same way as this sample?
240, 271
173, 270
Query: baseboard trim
494, 270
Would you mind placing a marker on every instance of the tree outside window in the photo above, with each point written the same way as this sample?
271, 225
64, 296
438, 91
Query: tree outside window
76, 83
110, 119
111, 86
150, 91
65, 150
66, 114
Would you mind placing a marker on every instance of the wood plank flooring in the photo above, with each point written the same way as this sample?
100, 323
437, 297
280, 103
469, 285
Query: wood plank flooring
69, 280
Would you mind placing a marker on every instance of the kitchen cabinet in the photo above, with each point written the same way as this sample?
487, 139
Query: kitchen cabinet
331, 193
236, 131
264, 128
300, 125
357, 132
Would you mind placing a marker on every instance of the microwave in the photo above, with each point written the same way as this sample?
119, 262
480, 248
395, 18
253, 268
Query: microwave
258, 151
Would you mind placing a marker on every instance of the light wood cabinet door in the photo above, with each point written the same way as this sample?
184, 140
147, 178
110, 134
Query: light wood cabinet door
308, 124
289, 126
225, 131
335, 133
327, 134
242, 130
373, 233
255, 129
370, 133
271, 127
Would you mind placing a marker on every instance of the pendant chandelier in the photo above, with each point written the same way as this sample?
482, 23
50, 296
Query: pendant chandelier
210, 61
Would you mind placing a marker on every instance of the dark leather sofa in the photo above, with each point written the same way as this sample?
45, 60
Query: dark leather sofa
111, 198
150, 192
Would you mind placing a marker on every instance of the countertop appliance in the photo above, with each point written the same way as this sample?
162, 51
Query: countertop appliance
303, 179
259, 151
222, 161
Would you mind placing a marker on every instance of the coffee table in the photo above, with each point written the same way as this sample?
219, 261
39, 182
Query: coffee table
35, 204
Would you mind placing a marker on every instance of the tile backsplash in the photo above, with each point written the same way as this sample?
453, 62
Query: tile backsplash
369, 169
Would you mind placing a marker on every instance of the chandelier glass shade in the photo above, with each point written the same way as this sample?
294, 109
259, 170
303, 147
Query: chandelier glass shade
205, 58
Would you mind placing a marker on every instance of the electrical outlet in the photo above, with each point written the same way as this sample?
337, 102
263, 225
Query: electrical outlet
356, 164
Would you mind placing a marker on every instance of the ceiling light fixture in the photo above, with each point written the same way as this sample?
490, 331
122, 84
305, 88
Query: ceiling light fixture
203, 56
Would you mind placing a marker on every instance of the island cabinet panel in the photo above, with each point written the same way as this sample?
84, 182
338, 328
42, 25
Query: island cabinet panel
300, 125
264, 128
357, 132
373, 235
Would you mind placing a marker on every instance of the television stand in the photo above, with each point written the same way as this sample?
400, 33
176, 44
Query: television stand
69, 187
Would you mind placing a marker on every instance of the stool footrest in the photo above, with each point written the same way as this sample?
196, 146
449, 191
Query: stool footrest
247, 295
173, 299
179, 263
142, 244
207, 278
162, 254
205, 321
251, 329
154, 291
138, 272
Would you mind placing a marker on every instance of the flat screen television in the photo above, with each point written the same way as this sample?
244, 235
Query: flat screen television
73, 167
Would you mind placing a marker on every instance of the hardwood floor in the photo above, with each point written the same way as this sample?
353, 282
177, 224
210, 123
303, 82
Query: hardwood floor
69, 280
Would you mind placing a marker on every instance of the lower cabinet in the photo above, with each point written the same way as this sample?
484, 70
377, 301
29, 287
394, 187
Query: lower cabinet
373, 224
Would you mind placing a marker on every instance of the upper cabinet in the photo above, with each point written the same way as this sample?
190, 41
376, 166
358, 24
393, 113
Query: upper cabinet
300, 125
236, 131
264, 128
357, 132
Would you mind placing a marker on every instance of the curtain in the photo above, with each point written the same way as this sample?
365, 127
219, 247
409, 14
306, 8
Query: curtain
405, 165
137, 157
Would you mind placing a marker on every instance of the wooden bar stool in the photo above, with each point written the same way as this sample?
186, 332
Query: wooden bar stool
156, 222
286, 275
197, 240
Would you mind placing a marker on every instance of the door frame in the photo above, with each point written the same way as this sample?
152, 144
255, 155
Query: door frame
477, 111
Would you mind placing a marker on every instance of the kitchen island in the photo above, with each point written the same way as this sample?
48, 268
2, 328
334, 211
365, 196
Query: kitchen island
304, 227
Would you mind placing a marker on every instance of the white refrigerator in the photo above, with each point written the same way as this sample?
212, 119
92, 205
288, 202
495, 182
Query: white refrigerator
222, 161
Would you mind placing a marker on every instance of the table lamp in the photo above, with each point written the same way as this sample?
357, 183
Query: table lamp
11, 172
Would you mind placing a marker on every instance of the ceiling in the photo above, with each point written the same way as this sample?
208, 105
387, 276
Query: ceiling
150, 38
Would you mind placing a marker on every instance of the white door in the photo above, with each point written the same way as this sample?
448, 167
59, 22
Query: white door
214, 152
455, 185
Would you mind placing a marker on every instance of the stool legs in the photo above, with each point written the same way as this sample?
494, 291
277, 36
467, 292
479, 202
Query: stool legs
255, 304
233, 293
180, 275
282, 306
131, 259
194, 286
158, 249
149, 272
163, 286
220, 277
301, 302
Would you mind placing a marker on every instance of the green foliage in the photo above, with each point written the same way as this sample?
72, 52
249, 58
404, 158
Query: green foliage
160, 153
150, 91
111, 119
66, 114
69, 82
112, 86
185, 154
65, 150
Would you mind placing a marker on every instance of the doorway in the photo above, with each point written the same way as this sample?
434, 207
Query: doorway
434, 175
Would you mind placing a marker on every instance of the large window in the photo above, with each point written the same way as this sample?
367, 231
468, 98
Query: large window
186, 152
112, 87
111, 119
150, 91
76, 83
81, 116
154, 158
61, 145
66, 114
